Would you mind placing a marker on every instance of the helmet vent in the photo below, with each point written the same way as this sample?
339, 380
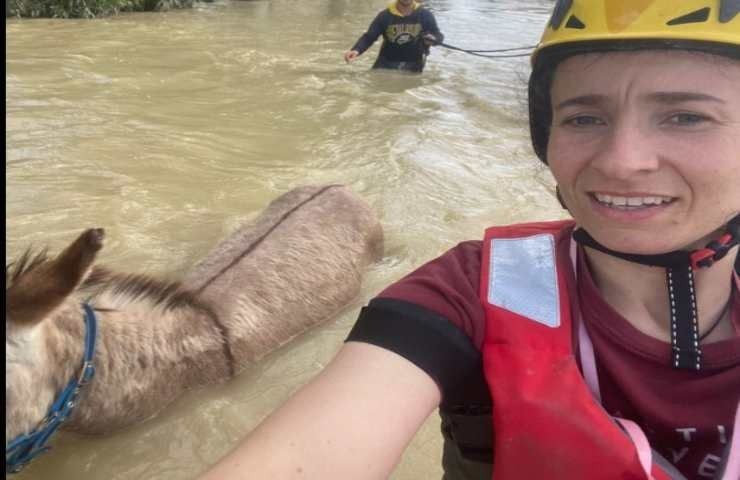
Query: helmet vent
698, 16
728, 9
575, 22
559, 12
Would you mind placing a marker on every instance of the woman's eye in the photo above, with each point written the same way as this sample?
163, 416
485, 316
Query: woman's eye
584, 121
687, 119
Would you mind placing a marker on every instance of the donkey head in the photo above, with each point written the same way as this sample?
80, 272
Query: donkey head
37, 289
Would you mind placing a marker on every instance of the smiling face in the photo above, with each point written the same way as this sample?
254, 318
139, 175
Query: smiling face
645, 146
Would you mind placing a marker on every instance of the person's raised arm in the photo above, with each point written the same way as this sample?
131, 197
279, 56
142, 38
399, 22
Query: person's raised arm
353, 420
375, 29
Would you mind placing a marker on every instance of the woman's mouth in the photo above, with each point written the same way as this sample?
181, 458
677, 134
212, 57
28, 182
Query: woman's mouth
631, 202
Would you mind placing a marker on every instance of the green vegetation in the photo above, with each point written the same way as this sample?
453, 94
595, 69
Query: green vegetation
87, 8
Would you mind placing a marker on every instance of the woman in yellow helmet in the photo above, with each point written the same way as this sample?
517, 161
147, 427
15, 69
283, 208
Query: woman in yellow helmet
601, 348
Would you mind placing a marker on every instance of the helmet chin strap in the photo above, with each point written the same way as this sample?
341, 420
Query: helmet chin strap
680, 266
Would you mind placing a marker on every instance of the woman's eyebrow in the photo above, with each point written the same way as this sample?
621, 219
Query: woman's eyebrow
665, 98
582, 101
670, 98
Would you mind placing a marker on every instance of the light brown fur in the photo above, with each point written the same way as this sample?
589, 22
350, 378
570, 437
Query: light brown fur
294, 267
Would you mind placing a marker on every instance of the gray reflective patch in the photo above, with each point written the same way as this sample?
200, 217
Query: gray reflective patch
523, 278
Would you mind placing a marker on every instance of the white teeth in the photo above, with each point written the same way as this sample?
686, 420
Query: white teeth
630, 201
619, 201
652, 200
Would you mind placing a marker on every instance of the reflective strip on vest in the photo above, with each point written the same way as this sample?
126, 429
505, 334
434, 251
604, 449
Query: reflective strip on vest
523, 279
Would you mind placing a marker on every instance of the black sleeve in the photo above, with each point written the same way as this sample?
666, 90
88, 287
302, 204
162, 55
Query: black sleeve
429, 24
375, 29
423, 337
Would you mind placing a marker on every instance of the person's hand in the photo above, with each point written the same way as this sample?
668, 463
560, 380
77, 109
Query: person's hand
350, 55
430, 39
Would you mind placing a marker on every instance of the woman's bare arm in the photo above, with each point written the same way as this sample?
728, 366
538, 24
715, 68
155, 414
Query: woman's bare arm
353, 420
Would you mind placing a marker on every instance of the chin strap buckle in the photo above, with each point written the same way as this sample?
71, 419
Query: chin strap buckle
716, 250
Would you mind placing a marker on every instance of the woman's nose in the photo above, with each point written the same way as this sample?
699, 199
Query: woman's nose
627, 150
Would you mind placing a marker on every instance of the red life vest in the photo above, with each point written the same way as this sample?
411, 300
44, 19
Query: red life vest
547, 422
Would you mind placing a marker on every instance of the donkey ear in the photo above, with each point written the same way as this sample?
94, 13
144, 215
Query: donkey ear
40, 290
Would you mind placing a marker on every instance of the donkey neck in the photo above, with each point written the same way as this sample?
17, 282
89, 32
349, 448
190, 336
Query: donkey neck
45, 355
146, 356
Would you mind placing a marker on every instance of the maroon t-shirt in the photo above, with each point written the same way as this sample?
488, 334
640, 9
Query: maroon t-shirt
688, 416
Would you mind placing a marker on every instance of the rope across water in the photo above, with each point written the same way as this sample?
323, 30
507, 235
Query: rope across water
497, 52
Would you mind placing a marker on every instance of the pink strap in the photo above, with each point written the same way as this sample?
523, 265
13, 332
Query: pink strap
644, 452
591, 376
732, 469
588, 361
586, 348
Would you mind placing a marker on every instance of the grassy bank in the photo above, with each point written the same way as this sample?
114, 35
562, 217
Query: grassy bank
87, 8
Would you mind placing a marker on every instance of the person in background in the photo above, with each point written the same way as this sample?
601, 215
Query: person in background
408, 31
598, 348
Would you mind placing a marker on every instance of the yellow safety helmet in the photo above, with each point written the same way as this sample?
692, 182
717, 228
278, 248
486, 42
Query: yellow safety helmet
584, 26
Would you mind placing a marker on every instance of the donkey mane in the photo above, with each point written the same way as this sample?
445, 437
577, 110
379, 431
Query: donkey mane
169, 295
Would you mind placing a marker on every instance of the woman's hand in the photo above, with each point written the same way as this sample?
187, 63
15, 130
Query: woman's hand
350, 55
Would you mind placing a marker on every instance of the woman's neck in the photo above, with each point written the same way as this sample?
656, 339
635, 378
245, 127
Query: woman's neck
639, 294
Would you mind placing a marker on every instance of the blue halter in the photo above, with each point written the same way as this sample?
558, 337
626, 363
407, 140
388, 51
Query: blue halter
26, 446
